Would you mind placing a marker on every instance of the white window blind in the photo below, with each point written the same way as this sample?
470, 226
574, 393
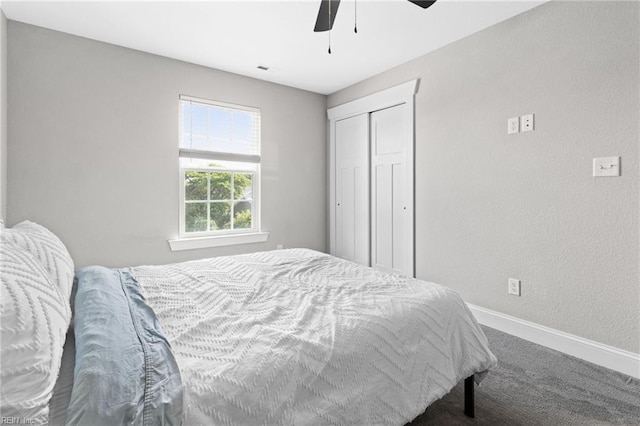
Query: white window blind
213, 130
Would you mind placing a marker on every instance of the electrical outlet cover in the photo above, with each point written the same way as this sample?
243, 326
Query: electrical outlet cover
514, 286
513, 125
526, 123
606, 166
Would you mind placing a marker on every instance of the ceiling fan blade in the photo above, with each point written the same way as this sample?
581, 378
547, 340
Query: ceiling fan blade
422, 4
324, 22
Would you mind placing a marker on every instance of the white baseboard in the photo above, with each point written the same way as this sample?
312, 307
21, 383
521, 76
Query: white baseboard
607, 356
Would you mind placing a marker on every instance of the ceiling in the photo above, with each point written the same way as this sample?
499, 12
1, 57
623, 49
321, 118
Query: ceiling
238, 36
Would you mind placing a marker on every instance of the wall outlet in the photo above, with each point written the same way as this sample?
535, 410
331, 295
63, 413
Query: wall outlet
513, 125
279, 247
526, 123
514, 287
606, 166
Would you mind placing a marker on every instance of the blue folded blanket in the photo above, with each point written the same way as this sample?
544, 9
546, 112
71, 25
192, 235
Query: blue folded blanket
125, 372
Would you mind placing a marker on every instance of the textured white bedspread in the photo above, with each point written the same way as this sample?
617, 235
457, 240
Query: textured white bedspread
300, 337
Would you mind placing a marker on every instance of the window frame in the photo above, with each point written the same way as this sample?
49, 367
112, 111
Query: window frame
224, 236
255, 204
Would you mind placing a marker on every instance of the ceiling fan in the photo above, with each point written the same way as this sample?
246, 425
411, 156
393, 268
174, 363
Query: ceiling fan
329, 9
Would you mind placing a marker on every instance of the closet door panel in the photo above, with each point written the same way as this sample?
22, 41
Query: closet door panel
383, 232
398, 220
389, 183
345, 214
389, 251
352, 189
362, 248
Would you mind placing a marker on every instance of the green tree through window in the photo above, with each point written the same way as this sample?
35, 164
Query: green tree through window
212, 205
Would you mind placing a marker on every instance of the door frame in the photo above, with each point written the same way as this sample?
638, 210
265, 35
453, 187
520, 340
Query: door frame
401, 94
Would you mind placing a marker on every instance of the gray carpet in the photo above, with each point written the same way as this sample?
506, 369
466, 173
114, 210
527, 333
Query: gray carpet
534, 385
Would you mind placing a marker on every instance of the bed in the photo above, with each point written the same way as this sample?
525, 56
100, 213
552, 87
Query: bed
280, 337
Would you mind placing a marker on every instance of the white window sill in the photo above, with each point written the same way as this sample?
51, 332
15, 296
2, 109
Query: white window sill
217, 241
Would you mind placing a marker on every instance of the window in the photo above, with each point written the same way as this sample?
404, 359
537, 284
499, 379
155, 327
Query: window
219, 168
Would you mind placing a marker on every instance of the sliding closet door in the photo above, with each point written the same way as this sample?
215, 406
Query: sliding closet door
392, 191
352, 189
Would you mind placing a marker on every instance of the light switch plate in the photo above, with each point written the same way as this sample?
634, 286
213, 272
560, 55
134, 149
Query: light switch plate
606, 166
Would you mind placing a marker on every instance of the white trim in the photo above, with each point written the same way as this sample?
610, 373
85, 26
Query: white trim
216, 155
217, 241
332, 186
597, 353
389, 97
225, 105
255, 206
396, 95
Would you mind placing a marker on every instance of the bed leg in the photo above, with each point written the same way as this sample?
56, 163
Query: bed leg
469, 409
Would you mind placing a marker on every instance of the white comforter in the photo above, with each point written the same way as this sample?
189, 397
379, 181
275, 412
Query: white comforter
297, 337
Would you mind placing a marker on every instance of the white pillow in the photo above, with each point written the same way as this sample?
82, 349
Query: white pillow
47, 248
35, 316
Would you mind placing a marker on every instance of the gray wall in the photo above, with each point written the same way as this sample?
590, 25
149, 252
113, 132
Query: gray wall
93, 147
490, 206
3, 115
